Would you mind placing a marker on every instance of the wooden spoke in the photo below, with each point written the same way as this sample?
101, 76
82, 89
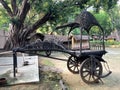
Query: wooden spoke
90, 70
73, 64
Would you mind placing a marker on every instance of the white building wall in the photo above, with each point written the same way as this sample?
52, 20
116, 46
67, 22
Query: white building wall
3, 38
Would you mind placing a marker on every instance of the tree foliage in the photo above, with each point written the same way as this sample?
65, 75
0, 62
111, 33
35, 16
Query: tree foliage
4, 20
114, 14
26, 16
105, 4
105, 21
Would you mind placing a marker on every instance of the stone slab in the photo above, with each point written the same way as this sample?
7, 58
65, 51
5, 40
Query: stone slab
25, 74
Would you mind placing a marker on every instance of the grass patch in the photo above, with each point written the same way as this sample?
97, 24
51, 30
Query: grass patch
47, 62
50, 80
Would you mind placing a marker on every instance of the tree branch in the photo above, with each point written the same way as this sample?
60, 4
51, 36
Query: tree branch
6, 7
41, 21
36, 25
14, 6
24, 10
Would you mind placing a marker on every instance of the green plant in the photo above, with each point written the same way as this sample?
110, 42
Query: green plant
112, 42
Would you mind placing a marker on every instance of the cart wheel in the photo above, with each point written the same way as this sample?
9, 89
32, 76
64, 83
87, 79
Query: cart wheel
73, 65
48, 53
91, 70
47, 46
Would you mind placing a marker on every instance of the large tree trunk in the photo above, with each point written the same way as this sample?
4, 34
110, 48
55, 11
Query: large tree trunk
13, 38
18, 33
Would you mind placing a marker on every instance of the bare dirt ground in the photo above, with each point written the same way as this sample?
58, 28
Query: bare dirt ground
111, 82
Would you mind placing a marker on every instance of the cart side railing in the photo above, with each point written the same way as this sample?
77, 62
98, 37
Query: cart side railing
96, 46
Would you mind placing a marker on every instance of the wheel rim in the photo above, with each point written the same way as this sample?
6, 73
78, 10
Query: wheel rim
48, 53
73, 65
47, 46
90, 70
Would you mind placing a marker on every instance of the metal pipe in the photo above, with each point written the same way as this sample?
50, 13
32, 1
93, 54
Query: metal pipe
14, 63
103, 41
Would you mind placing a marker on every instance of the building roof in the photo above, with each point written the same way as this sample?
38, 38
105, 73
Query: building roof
114, 35
65, 38
78, 37
57, 37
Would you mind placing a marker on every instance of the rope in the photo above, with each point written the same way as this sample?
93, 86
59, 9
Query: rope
6, 64
6, 52
54, 58
49, 57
